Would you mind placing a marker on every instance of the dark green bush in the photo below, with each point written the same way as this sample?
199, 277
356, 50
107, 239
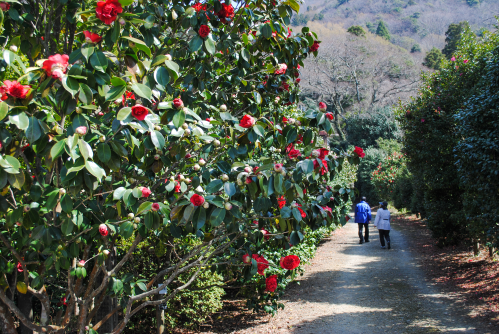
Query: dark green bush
364, 129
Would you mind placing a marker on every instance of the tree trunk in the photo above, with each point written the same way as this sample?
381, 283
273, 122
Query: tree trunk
476, 247
108, 304
7, 321
25, 305
491, 252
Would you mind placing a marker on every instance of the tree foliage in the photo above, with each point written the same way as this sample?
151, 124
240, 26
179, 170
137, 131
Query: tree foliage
453, 37
432, 132
383, 31
433, 59
357, 31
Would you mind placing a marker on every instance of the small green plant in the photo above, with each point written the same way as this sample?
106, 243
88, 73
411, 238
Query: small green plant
357, 31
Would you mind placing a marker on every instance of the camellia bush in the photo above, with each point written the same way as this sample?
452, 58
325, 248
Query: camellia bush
444, 152
152, 123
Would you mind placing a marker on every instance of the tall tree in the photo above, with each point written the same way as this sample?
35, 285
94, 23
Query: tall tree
453, 37
383, 31
433, 59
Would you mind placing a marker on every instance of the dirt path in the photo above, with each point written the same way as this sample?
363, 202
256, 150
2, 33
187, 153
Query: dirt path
352, 288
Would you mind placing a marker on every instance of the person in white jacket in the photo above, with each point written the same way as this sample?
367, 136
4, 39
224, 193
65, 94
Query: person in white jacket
382, 223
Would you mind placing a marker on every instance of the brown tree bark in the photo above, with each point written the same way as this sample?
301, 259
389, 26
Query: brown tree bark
8, 326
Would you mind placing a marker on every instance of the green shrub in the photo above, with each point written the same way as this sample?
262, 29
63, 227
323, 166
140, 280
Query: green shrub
364, 129
357, 31
433, 59
190, 308
383, 31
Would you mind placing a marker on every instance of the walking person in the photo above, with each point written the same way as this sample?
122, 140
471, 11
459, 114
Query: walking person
363, 218
382, 223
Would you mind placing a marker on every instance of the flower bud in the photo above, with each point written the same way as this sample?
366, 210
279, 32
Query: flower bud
81, 263
298, 123
168, 57
81, 130
202, 162
122, 21
196, 167
26, 208
174, 15
239, 182
62, 191
216, 143
277, 99
283, 172
13, 48
105, 252
185, 126
181, 177
223, 107
187, 132
187, 181
259, 176
136, 220
206, 205
131, 215
157, 157
131, 180
278, 167
157, 128
248, 169
228, 206
225, 177
199, 189
291, 121
102, 139
155, 207
278, 150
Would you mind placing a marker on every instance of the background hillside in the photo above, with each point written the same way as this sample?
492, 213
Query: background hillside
409, 21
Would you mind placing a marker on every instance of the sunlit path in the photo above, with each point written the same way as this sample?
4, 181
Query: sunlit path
352, 288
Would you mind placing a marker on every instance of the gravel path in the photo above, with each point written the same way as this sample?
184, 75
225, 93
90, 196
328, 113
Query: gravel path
352, 288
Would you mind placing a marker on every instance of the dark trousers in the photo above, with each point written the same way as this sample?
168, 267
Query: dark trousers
361, 226
384, 234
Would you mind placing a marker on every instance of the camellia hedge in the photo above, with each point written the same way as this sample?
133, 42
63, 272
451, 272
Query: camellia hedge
450, 141
123, 122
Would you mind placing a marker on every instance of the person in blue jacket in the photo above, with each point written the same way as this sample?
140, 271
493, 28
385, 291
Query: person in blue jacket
363, 218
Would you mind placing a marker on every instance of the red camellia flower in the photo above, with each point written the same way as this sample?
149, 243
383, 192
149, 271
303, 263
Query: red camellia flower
91, 37
314, 47
103, 230
323, 169
302, 213
265, 234
197, 200
271, 283
347, 218
322, 106
281, 69
155, 207
246, 258
262, 264
5, 6
126, 96
328, 210
247, 122
322, 153
107, 11
204, 31
329, 116
290, 262
199, 7
14, 89
178, 103
177, 187
227, 12
359, 152
298, 80
281, 201
56, 65
146, 192
139, 112
19, 267
294, 153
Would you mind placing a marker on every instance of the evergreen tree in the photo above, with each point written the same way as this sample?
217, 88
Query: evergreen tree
357, 31
433, 58
383, 31
453, 37
415, 48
